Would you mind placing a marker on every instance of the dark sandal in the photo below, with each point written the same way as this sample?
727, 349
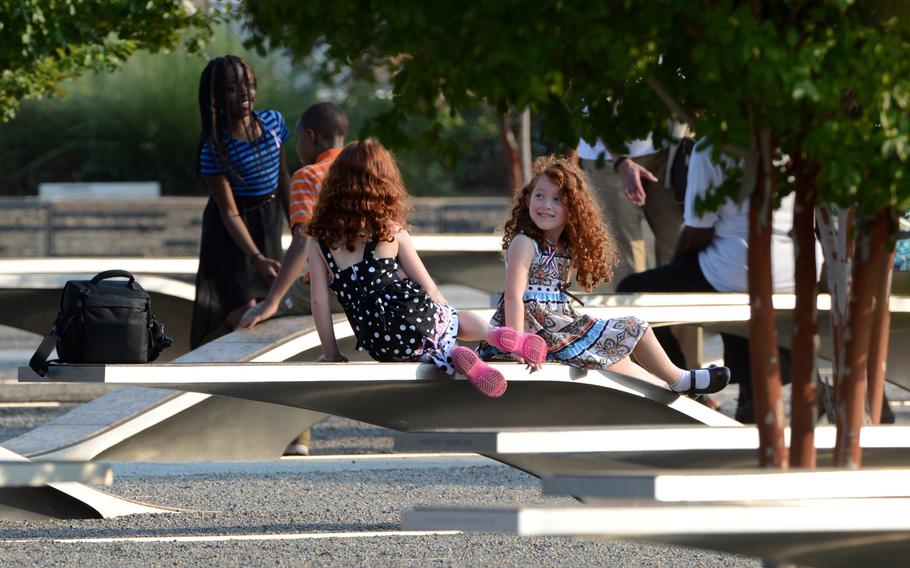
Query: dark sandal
719, 377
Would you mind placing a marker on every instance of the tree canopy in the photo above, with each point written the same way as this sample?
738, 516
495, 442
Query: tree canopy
811, 95
45, 42
619, 70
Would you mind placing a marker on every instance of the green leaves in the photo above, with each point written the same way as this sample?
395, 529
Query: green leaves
834, 74
45, 42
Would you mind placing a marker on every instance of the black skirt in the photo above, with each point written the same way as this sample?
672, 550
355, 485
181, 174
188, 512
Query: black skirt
226, 280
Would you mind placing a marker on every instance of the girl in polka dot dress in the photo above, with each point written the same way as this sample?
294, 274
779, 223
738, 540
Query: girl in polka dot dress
359, 249
555, 228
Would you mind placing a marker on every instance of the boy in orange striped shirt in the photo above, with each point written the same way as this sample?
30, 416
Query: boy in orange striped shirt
320, 136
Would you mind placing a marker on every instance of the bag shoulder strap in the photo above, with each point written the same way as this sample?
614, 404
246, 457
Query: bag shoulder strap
38, 362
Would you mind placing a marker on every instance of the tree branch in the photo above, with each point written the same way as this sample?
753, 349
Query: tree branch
676, 108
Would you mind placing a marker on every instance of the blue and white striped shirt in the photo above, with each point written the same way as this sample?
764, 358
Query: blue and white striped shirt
257, 163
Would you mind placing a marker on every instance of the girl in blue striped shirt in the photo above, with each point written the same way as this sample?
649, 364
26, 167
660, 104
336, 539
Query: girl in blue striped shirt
242, 161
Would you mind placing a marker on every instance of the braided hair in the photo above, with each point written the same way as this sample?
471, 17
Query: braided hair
215, 112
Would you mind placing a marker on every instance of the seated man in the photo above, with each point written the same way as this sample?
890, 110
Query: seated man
711, 256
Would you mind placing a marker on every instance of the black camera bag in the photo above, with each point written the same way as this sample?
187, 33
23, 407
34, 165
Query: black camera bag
102, 321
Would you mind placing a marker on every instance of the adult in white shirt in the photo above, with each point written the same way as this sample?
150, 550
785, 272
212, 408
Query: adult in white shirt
712, 256
721, 238
633, 187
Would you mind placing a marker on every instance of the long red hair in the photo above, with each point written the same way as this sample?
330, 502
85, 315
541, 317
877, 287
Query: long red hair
594, 252
362, 196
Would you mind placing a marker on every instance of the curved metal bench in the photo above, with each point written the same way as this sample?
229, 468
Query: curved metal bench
144, 424
547, 451
64, 499
152, 424
821, 532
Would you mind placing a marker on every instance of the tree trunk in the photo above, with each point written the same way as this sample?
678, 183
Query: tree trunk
524, 144
837, 244
512, 151
881, 328
851, 396
805, 318
766, 380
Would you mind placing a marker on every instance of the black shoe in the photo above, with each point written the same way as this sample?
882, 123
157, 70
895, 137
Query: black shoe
719, 378
745, 412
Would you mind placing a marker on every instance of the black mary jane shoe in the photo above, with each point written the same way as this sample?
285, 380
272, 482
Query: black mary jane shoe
719, 378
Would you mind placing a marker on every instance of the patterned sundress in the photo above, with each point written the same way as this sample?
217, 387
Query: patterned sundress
572, 338
393, 318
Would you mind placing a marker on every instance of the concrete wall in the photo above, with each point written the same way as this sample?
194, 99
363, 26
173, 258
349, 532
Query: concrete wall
170, 226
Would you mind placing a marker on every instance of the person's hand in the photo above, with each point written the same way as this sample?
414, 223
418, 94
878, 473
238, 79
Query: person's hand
632, 175
267, 267
440, 299
336, 358
531, 367
257, 314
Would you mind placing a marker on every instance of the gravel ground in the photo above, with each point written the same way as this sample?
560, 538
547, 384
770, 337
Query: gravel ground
294, 497
295, 500
342, 436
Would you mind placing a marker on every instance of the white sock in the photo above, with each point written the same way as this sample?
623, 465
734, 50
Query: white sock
702, 380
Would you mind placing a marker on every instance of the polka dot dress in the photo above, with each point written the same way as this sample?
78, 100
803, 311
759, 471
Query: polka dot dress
392, 317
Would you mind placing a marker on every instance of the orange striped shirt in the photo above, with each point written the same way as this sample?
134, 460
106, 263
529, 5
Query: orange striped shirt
305, 185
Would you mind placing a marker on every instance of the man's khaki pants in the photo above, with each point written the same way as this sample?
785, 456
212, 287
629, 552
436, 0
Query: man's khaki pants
663, 214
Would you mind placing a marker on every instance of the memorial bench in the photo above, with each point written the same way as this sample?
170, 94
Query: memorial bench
729, 313
824, 533
31, 474
161, 425
56, 490
410, 396
550, 451
728, 484
822, 517
103, 428
144, 424
147, 425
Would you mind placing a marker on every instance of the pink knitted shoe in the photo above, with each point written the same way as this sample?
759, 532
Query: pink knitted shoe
529, 346
486, 379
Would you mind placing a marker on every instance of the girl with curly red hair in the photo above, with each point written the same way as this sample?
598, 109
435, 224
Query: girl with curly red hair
555, 228
360, 246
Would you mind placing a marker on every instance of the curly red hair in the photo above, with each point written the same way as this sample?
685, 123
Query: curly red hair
362, 196
594, 252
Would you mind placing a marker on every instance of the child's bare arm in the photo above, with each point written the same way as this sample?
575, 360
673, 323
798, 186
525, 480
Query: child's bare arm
518, 262
294, 261
319, 298
413, 266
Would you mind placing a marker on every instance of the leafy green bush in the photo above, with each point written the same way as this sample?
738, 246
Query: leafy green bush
141, 123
